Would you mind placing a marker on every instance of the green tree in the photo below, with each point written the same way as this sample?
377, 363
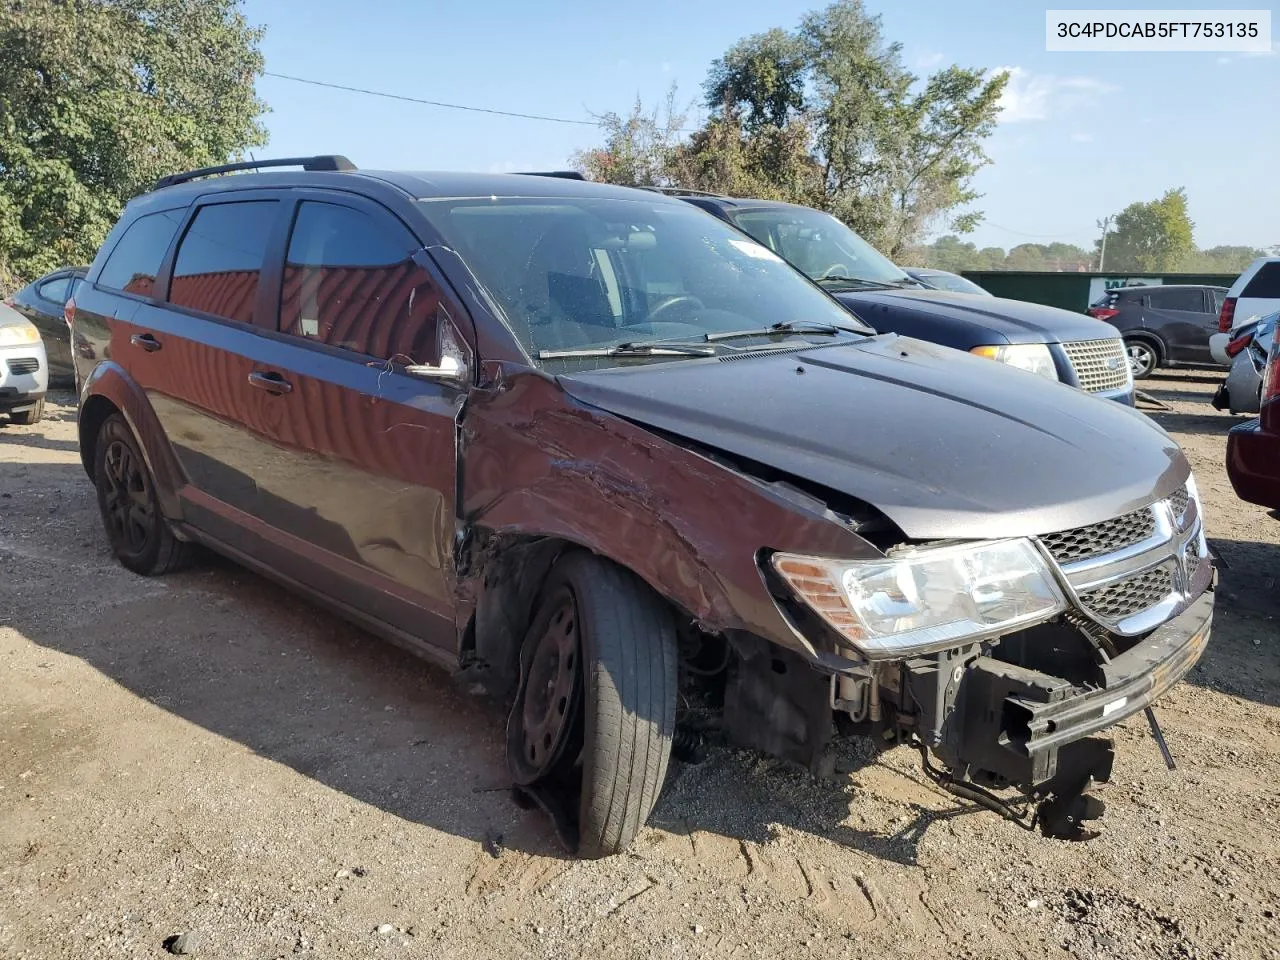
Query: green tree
1221, 259
1151, 237
896, 154
826, 115
638, 148
99, 98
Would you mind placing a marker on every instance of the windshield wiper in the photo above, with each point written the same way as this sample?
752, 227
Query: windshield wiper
639, 349
862, 280
826, 329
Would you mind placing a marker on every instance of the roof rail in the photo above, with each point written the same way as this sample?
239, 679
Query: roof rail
320, 162
686, 192
559, 174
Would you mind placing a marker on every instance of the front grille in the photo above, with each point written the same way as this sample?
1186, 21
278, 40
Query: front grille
1100, 365
1116, 601
1179, 500
1097, 539
23, 365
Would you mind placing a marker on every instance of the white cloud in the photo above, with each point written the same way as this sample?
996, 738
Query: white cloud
1037, 96
927, 60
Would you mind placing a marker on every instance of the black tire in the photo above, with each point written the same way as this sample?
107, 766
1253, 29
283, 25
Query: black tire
136, 529
627, 701
29, 418
1143, 355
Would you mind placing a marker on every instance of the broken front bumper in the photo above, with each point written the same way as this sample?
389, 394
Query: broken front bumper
1019, 726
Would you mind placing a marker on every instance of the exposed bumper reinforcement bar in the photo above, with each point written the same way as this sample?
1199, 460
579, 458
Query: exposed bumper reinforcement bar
1016, 721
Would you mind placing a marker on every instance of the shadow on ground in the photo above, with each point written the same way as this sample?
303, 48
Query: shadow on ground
242, 658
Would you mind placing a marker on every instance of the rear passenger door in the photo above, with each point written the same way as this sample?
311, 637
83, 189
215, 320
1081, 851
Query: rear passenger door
360, 488
193, 355
1181, 317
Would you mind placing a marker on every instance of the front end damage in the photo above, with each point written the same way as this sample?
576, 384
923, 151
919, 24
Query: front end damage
1019, 711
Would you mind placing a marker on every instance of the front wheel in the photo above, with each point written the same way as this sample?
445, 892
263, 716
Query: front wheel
1143, 358
590, 731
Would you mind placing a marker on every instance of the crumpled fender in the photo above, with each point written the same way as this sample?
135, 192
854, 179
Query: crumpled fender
537, 462
110, 382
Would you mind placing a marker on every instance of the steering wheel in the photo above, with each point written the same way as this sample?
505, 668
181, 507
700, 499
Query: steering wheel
836, 270
672, 302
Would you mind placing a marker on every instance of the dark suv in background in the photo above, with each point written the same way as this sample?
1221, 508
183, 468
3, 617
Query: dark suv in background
627, 467
1163, 326
1052, 343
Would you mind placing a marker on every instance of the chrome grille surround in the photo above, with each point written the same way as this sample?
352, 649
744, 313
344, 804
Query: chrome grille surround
1068, 546
1154, 564
1101, 366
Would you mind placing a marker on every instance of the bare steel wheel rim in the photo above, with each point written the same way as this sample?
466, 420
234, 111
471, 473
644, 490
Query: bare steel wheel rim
551, 690
1142, 359
127, 503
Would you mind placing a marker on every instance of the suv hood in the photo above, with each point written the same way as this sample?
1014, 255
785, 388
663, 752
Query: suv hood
976, 320
944, 444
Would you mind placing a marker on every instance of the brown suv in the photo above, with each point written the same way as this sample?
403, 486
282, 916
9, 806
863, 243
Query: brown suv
604, 450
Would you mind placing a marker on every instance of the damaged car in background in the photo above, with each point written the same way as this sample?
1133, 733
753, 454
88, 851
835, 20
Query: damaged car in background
622, 463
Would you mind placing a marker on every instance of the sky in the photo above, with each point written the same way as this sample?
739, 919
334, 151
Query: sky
1082, 135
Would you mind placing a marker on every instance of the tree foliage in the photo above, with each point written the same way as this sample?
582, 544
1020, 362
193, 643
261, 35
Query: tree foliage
98, 98
827, 115
1151, 237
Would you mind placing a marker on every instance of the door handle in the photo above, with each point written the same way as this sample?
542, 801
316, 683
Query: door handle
146, 341
271, 382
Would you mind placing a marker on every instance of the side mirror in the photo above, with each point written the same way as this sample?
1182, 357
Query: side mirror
449, 368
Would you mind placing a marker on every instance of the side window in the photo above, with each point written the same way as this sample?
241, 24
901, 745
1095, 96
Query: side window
219, 260
1265, 283
1219, 295
1192, 300
56, 291
350, 282
135, 260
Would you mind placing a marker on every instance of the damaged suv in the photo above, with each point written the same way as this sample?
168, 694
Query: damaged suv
604, 452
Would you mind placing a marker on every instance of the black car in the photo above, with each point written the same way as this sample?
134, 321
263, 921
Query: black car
1163, 326
42, 302
1053, 343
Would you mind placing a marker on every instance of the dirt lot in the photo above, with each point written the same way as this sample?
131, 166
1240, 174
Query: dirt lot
207, 753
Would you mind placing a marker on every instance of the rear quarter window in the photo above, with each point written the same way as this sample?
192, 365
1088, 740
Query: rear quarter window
133, 263
1188, 300
1265, 283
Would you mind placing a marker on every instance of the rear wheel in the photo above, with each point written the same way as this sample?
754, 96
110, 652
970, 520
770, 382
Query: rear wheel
590, 732
139, 535
1143, 357
31, 416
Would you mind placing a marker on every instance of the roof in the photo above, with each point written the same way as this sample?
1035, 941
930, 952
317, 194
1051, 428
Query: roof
439, 184
1144, 287
421, 185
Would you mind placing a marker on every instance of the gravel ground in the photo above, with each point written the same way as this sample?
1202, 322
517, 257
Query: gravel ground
206, 754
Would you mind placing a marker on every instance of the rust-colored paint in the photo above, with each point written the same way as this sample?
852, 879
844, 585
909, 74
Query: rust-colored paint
538, 462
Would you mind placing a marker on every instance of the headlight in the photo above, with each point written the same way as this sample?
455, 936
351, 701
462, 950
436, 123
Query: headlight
15, 333
927, 599
1031, 357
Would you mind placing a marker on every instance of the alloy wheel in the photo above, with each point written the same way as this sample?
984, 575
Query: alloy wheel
127, 502
1142, 359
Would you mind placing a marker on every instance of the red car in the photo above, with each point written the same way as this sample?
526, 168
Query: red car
1253, 448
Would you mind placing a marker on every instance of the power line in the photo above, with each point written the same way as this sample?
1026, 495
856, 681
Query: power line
1022, 233
429, 103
